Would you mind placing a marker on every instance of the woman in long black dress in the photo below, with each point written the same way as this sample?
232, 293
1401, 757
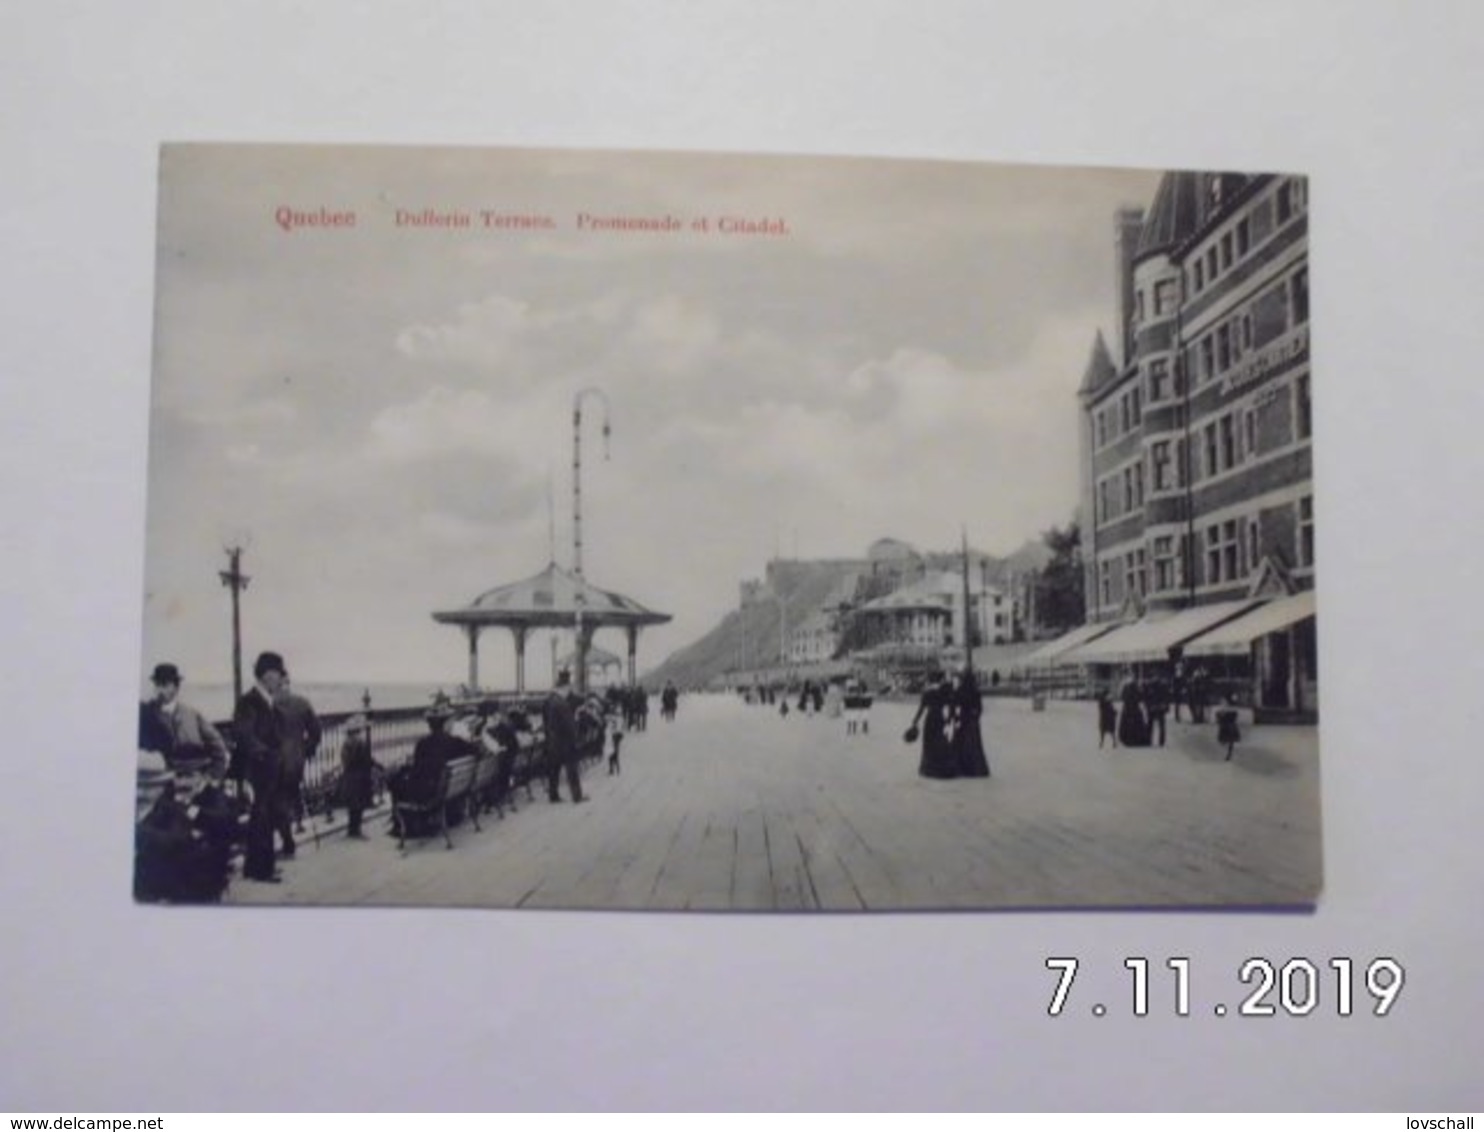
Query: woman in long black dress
968, 742
938, 760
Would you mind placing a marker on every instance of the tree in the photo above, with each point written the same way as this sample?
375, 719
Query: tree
1059, 599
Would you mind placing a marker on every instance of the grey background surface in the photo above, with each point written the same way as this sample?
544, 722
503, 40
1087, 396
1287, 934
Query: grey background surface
112, 1007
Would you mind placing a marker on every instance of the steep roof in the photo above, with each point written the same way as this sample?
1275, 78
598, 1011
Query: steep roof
1173, 216
1100, 369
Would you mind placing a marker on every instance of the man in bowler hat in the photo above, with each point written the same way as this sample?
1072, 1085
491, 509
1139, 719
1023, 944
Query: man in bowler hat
561, 740
258, 732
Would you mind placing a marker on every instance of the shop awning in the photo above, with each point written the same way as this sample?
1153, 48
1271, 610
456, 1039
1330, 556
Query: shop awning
1152, 637
1050, 653
1235, 637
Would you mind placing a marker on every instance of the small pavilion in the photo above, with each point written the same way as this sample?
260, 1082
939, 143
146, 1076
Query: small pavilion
602, 666
553, 599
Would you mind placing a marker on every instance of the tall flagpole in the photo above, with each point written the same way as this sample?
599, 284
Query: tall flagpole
968, 609
581, 674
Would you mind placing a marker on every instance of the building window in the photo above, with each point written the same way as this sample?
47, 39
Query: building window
1138, 306
1285, 202
1102, 428
1211, 263
1123, 422
1208, 358
1128, 489
1200, 276
1211, 450
1247, 331
1244, 236
1306, 530
1228, 442
1303, 410
1159, 380
1226, 251
1106, 581
1159, 459
1253, 557
1164, 563
1223, 348
1249, 427
1231, 549
1223, 552
1164, 296
1299, 293
1139, 484
1137, 394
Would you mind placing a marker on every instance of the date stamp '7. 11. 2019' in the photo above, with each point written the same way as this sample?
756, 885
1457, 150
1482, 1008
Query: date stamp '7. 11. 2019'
1296, 987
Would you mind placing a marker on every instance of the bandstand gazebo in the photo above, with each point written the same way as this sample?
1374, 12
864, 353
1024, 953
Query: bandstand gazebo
553, 599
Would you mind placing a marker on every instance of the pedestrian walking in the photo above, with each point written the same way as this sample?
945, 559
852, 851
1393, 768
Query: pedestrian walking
968, 740
1133, 728
257, 730
930, 723
299, 738
1156, 706
561, 741
1107, 718
857, 708
357, 773
614, 766
1227, 732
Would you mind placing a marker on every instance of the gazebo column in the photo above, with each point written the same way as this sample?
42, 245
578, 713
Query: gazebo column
472, 632
520, 656
584, 635
633, 635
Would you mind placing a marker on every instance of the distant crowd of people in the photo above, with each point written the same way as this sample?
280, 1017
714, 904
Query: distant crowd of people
1138, 717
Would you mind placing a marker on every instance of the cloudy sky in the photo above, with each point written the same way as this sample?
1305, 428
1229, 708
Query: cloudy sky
382, 413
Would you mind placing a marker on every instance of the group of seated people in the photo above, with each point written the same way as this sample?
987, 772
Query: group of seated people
508, 735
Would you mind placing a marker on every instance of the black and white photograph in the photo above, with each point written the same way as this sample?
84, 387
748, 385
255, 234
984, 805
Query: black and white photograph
639, 530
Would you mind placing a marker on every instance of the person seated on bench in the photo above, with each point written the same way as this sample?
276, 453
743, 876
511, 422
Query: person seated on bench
418, 779
500, 736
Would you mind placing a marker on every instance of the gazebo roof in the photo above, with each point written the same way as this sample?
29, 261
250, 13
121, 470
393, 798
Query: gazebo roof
551, 598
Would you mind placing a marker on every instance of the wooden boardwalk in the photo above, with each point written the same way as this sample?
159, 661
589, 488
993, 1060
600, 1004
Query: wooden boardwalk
733, 808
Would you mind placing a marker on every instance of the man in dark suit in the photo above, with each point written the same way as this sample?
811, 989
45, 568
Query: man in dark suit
561, 741
299, 735
258, 732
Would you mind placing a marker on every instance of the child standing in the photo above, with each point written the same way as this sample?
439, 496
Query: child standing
1107, 719
1227, 731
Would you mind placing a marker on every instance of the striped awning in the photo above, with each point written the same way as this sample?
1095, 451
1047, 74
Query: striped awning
1051, 652
1235, 637
1152, 637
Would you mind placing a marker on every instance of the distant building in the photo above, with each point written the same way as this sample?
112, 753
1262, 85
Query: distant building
813, 640
1197, 470
929, 614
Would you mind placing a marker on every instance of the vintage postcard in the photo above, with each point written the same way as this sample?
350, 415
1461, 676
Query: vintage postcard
620, 530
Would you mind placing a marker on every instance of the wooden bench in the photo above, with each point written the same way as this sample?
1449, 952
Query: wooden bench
455, 784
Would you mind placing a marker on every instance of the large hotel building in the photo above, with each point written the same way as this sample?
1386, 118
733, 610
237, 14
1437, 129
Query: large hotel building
1197, 474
